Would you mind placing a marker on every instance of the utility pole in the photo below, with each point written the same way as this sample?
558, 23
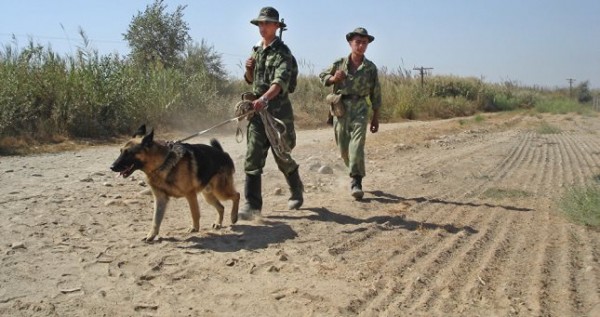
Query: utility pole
422, 72
570, 80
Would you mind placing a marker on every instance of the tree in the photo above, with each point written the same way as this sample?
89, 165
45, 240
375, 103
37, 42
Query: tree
583, 92
202, 58
157, 37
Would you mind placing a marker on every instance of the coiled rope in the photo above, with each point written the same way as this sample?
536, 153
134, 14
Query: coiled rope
275, 128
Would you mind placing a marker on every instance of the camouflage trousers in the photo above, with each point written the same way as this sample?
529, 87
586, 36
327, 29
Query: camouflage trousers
258, 148
350, 135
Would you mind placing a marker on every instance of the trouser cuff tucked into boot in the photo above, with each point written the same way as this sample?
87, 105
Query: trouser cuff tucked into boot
356, 187
296, 189
253, 195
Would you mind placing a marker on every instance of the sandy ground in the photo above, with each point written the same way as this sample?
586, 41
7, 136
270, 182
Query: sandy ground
457, 220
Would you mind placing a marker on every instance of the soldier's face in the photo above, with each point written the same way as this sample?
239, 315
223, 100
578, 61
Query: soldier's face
267, 29
359, 44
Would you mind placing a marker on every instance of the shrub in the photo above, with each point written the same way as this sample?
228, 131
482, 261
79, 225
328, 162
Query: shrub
582, 205
557, 106
88, 95
546, 128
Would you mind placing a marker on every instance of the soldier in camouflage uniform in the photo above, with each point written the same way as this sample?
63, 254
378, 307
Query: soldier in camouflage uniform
355, 78
269, 70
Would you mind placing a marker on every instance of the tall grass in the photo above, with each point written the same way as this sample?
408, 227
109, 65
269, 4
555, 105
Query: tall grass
88, 95
44, 94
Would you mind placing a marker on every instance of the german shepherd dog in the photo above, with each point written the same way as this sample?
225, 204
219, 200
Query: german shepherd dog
180, 170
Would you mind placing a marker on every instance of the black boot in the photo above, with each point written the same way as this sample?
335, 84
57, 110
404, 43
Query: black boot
296, 189
356, 187
252, 193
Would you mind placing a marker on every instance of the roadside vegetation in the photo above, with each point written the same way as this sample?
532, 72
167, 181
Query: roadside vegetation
182, 85
582, 205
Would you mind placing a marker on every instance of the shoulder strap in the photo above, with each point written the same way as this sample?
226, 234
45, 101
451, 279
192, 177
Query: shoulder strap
343, 66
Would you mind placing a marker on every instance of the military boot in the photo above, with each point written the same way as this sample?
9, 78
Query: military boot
356, 187
296, 189
252, 193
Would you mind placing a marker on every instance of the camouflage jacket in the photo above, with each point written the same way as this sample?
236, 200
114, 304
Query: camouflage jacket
273, 66
363, 82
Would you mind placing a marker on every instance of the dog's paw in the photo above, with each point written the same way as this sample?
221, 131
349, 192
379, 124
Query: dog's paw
192, 230
149, 238
216, 226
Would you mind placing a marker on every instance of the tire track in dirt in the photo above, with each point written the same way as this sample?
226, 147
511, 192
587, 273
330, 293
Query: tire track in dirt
506, 246
549, 168
557, 290
536, 293
553, 247
566, 246
439, 253
452, 275
528, 299
492, 250
588, 269
493, 223
500, 275
514, 157
550, 161
584, 150
584, 286
560, 249
572, 153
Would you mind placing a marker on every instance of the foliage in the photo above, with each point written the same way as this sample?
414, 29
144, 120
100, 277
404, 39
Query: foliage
156, 37
557, 105
88, 95
546, 128
583, 92
582, 205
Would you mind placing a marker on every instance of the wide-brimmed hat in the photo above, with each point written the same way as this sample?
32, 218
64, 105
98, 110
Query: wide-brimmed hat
268, 14
360, 32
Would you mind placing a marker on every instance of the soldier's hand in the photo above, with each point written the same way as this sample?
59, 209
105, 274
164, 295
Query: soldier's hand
374, 125
250, 62
258, 104
338, 76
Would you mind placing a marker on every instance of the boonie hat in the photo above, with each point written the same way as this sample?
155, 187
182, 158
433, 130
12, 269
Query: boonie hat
268, 14
361, 32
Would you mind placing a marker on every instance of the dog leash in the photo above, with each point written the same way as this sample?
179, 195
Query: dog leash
275, 129
239, 130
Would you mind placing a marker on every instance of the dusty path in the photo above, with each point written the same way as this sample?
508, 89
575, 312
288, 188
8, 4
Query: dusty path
458, 220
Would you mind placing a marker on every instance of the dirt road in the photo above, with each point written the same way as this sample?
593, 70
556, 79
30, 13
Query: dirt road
457, 220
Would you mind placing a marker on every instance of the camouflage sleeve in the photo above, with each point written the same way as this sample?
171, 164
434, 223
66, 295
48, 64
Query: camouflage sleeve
326, 74
282, 63
375, 93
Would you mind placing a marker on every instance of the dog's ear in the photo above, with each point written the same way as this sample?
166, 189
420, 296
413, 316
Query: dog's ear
148, 139
141, 131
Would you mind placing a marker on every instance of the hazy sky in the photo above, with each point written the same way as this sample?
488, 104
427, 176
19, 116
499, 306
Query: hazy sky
532, 42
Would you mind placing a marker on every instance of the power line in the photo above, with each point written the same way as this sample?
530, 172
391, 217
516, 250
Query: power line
570, 80
422, 72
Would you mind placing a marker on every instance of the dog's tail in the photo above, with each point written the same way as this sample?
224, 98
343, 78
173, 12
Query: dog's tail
214, 143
